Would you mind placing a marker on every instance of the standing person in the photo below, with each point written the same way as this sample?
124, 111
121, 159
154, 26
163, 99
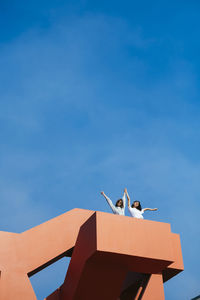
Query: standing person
135, 209
119, 207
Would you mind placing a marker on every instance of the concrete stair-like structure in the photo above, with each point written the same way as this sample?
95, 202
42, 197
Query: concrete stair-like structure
112, 257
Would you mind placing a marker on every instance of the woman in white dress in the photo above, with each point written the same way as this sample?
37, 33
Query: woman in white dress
135, 209
119, 207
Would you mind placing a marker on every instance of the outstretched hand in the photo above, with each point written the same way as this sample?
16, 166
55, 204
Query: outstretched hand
125, 190
102, 193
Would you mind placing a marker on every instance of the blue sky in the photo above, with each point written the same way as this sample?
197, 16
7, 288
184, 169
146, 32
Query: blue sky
101, 95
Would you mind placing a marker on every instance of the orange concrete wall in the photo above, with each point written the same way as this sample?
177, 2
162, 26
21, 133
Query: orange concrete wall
22, 253
106, 248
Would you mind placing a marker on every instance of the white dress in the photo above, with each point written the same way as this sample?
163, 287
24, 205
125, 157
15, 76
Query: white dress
136, 213
117, 210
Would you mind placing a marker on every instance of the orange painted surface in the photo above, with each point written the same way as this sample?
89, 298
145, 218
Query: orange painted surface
154, 289
114, 257
29, 251
177, 264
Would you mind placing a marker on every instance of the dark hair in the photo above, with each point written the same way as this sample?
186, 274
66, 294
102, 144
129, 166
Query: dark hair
122, 205
139, 206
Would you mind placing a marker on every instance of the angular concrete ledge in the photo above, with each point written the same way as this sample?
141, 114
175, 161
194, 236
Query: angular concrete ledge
112, 257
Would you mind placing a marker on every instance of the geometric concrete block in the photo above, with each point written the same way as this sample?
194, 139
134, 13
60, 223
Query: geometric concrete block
112, 257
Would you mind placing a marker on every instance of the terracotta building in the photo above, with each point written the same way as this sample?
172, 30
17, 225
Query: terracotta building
112, 257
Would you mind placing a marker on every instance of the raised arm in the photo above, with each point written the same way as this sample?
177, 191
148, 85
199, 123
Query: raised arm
124, 199
151, 209
129, 200
103, 194
109, 202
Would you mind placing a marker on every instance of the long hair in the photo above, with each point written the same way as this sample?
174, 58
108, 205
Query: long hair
122, 205
139, 206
